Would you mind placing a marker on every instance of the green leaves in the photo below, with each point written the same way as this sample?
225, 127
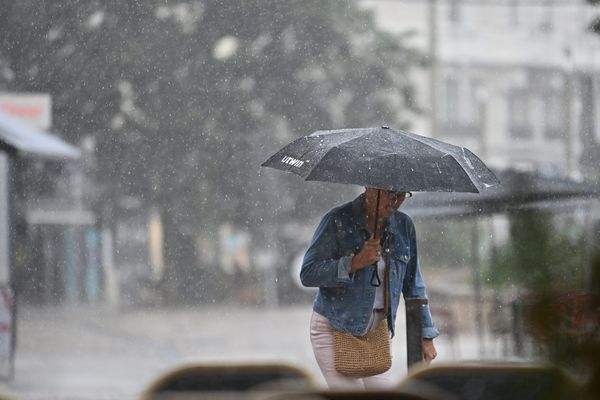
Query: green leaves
187, 95
541, 255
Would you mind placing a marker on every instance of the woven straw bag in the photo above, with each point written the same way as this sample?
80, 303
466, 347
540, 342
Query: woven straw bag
362, 356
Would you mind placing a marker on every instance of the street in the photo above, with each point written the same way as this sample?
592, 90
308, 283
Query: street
87, 352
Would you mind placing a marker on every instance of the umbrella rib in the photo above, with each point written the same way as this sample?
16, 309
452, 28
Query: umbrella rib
434, 143
336, 147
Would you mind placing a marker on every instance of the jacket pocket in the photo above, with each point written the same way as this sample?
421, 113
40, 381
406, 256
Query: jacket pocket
398, 271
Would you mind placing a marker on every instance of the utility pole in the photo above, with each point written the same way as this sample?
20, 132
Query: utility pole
569, 125
482, 109
477, 289
433, 72
414, 328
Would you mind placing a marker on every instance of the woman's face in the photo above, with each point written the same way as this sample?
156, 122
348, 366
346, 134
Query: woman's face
389, 201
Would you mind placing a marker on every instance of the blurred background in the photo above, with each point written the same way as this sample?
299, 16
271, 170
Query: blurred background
148, 195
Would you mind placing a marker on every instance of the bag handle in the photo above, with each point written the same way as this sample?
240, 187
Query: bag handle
386, 286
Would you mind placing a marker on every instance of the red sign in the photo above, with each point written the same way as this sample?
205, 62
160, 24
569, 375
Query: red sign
26, 111
33, 108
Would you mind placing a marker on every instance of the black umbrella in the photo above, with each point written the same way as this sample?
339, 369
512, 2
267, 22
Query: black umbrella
384, 158
388, 159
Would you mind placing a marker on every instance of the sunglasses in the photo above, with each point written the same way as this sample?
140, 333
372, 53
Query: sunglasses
397, 196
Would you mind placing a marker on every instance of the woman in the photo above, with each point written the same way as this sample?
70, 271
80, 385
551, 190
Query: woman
341, 261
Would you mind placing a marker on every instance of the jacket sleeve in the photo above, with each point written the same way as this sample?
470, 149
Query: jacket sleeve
322, 265
413, 286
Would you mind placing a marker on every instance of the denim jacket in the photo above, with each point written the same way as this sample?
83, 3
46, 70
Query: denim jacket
346, 298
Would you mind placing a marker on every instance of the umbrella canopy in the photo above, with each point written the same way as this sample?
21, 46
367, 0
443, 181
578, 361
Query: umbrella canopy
384, 158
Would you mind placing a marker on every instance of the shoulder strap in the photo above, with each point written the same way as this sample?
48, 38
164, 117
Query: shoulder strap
386, 292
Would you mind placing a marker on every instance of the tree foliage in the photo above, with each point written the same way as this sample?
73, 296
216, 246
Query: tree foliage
540, 255
183, 99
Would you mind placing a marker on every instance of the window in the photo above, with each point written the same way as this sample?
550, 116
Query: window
519, 124
459, 111
451, 109
548, 21
595, 106
554, 115
475, 101
455, 11
514, 13
588, 89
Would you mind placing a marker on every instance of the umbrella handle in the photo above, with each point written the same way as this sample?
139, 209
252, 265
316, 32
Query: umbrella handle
375, 280
376, 233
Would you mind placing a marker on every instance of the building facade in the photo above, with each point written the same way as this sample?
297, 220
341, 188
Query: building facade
517, 82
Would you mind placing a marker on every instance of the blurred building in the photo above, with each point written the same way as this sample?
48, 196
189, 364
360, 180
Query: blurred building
517, 82
54, 246
61, 253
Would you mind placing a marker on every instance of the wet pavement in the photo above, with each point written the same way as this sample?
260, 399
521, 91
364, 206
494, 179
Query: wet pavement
87, 352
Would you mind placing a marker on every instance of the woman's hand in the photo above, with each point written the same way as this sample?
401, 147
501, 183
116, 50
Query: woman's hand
429, 352
368, 255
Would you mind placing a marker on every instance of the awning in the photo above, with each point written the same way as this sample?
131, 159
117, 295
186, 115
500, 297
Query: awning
519, 190
33, 142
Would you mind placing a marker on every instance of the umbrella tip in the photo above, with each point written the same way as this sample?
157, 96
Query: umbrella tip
385, 127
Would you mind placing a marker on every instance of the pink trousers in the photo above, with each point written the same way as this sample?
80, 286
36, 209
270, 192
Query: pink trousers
321, 337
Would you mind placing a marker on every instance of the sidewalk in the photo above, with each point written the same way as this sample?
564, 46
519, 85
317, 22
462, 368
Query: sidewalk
98, 353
